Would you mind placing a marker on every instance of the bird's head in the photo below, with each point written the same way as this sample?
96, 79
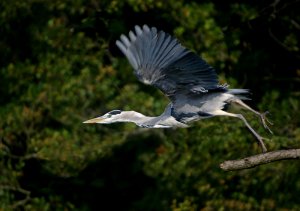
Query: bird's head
110, 117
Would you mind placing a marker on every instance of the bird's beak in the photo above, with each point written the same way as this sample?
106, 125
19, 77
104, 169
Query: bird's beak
95, 120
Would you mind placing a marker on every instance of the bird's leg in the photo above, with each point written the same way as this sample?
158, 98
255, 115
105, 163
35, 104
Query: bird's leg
263, 116
240, 116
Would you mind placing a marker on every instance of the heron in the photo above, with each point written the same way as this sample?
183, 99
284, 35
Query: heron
188, 81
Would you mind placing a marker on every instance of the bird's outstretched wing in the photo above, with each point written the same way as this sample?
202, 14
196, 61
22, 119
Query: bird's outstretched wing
160, 60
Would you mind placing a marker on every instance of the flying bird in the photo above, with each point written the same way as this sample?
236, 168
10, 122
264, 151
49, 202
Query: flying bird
192, 86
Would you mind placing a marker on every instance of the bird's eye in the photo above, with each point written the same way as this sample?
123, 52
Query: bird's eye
108, 115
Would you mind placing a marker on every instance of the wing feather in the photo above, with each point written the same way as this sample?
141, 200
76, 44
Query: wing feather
132, 60
132, 36
160, 60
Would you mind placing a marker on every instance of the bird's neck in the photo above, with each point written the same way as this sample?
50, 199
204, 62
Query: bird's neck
135, 117
165, 120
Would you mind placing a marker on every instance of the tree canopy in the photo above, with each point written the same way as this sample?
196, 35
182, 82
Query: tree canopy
59, 66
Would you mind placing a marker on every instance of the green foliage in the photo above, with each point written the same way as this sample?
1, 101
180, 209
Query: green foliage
59, 67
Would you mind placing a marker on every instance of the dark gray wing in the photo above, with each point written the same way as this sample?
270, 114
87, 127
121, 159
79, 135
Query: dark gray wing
160, 60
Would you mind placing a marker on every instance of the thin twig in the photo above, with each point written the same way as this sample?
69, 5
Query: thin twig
278, 41
255, 160
20, 190
295, 24
25, 157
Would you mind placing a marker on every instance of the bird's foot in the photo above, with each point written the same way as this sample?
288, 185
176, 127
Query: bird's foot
264, 120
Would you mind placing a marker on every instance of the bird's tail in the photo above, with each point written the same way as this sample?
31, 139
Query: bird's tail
242, 94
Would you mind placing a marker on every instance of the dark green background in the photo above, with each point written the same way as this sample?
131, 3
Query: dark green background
60, 66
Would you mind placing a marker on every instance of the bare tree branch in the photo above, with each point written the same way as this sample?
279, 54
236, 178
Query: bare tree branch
255, 160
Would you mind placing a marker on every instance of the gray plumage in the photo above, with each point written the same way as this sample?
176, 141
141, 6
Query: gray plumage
192, 86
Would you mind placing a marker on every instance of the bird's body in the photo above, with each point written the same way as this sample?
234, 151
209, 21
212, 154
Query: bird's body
186, 79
